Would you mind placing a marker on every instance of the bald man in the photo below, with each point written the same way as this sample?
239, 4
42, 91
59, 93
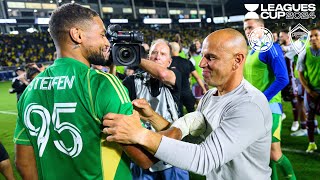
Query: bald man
237, 128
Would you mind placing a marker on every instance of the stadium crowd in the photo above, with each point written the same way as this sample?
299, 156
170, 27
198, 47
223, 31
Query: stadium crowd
19, 50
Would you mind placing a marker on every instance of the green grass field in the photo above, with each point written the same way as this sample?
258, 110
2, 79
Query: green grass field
306, 166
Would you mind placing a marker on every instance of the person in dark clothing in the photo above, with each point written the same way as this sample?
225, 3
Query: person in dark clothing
160, 86
186, 68
5, 165
19, 83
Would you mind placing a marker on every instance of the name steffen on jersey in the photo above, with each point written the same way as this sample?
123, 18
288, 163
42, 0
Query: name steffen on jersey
47, 83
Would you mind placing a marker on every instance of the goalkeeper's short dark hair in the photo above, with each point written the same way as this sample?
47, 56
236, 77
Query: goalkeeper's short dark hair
68, 16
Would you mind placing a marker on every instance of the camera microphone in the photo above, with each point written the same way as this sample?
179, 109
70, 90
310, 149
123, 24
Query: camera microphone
113, 29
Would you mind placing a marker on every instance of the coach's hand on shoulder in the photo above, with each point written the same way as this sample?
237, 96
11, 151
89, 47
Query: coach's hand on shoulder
126, 129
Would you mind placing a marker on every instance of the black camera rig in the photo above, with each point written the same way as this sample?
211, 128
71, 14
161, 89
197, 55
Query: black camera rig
126, 46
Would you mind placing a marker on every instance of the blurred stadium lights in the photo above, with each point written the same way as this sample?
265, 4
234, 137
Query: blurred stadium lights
127, 10
49, 6
16, 5
30, 5
147, 11
107, 9
41, 20
189, 20
206, 2
175, 11
237, 18
157, 21
31, 30
88, 6
193, 11
220, 20
119, 21
14, 32
209, 20
8, 21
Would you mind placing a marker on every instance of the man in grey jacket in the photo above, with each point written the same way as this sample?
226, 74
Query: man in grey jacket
236, 130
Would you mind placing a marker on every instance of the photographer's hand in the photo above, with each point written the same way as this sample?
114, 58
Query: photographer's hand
159, 72
144, 109
148, 114
23, 79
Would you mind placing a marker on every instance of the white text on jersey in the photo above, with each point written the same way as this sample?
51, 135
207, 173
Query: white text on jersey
48, 83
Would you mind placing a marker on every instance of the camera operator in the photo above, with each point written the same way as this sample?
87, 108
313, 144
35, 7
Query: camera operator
19, 83
161, 87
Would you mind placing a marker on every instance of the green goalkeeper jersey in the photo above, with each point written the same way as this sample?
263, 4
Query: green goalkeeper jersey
60, 115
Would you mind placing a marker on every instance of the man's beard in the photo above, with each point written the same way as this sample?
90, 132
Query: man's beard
98, 58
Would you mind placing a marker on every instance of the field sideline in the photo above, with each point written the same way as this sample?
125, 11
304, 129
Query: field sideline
306, 166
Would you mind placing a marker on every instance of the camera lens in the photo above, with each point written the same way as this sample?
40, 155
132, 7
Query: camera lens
126, 55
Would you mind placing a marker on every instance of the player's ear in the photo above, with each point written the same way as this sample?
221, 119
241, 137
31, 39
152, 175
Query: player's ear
239, 59
76, 35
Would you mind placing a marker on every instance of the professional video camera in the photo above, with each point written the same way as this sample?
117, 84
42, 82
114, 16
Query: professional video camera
126, 46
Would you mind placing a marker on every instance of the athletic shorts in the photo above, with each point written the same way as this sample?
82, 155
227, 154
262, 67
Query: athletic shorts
197, 90
170, 173
298, 89
3, 153
312, 106
276, 128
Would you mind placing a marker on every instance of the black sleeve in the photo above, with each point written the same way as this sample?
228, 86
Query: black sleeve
128, 82
192, 68
18, 87
15, 83
121, 76
177, 87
